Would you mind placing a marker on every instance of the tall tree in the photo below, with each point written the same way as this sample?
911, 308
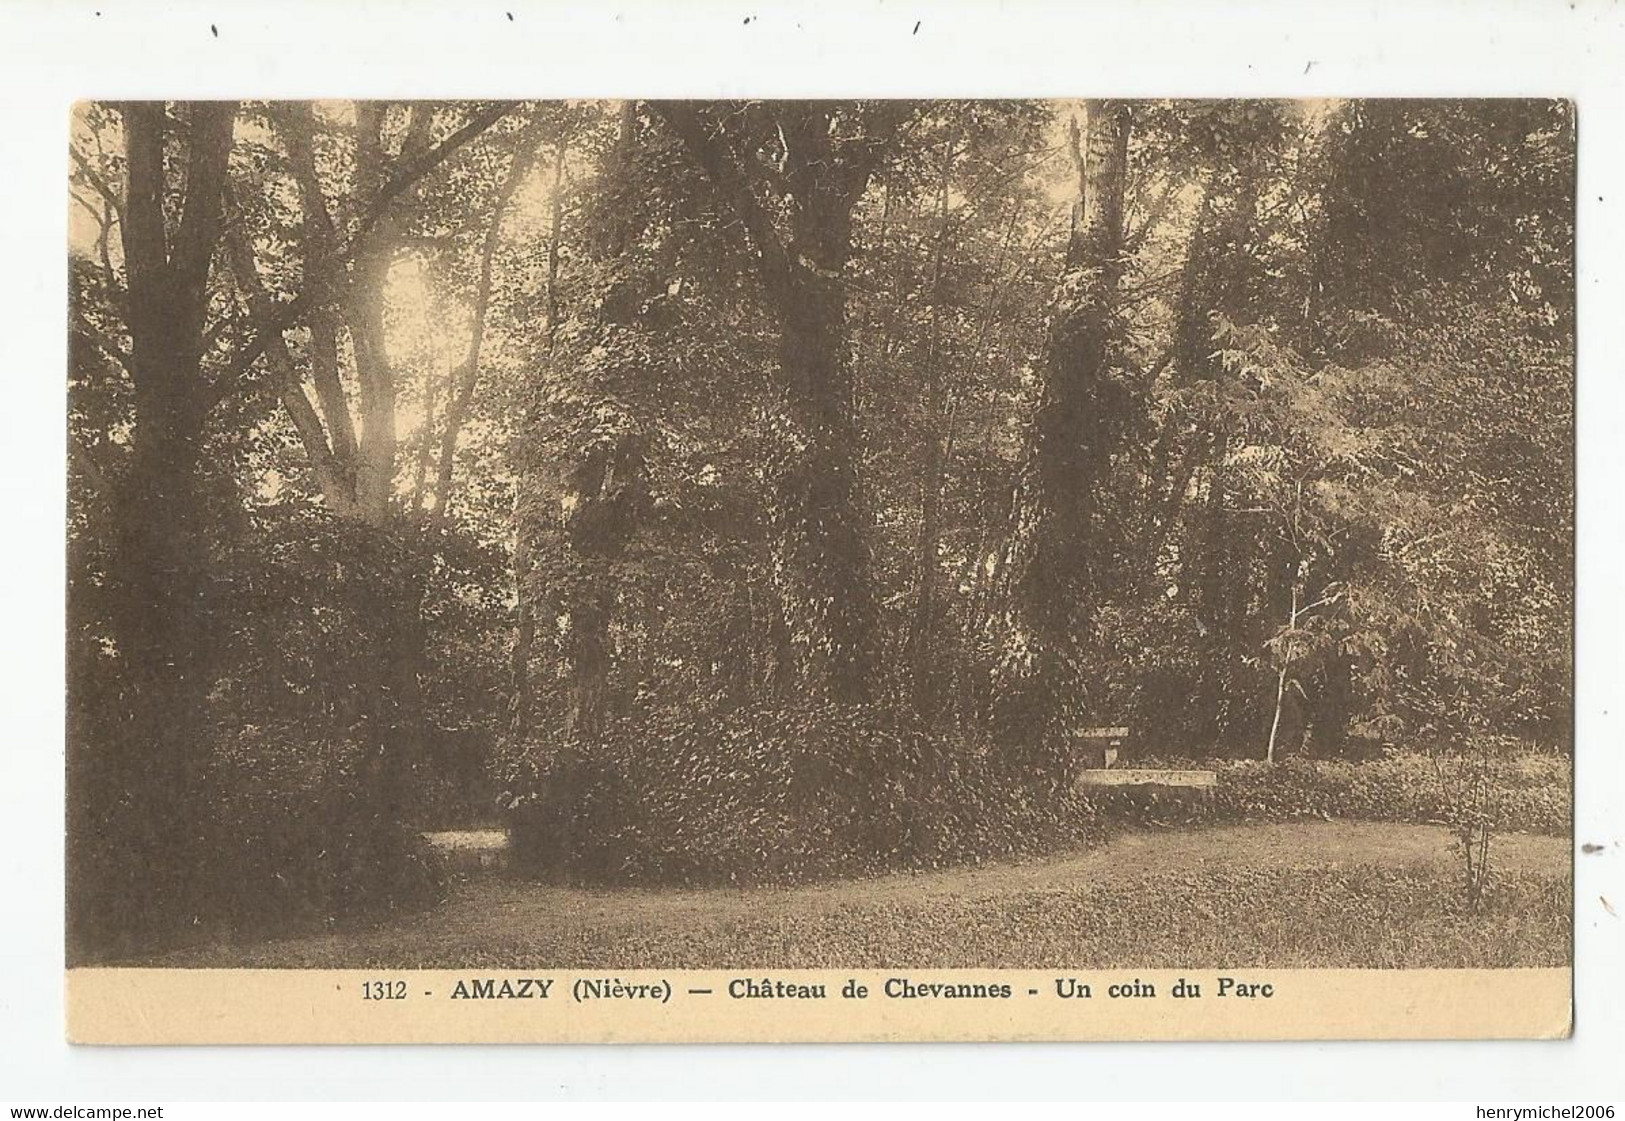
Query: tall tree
1089, 403
466, 376
581, 456
524, 637
352, 225
917, 644
159, 570
810, 162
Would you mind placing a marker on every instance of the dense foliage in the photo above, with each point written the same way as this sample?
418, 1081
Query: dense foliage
764, 490
784, 794
1530, 792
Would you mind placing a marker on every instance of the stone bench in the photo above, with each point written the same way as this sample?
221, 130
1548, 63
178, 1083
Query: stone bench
470, 850
1099, 751
1133, 776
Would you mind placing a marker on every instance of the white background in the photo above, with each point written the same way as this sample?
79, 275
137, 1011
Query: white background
55, 53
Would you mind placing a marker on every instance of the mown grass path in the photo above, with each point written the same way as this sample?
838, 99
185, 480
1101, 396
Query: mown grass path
1308, 894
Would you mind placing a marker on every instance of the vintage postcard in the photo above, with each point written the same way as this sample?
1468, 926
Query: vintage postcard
548, 571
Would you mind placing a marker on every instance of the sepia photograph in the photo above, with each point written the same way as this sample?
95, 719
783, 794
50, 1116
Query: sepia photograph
766, 536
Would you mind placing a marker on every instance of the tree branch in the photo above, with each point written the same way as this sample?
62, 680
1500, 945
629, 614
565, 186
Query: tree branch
101, 339
721, 165
208, 149
319, 289
461, 400
329, 474
99, 182
146, 248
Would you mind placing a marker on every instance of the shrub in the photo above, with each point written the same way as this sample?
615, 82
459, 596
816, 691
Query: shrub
767, 795
1526, 791
285, 836
297, 838
775, 795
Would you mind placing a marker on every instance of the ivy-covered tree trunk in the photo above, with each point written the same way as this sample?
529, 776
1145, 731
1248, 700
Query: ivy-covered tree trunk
602, 501
919, 643
830, 600
524, 636
1088, 405
583, 492
823, 561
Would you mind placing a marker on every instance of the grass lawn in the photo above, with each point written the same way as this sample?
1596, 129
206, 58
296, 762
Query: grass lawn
1290, 894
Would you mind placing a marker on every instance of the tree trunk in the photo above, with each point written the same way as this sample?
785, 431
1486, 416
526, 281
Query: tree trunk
823, 557
830, 597
366, 454
1286, 657
1086, 410
461, 400
375, 467
589, 653
603, 499
919, 645
144, 779
431, 409
524, 638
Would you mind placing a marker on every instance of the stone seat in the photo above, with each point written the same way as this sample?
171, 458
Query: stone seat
470, 850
